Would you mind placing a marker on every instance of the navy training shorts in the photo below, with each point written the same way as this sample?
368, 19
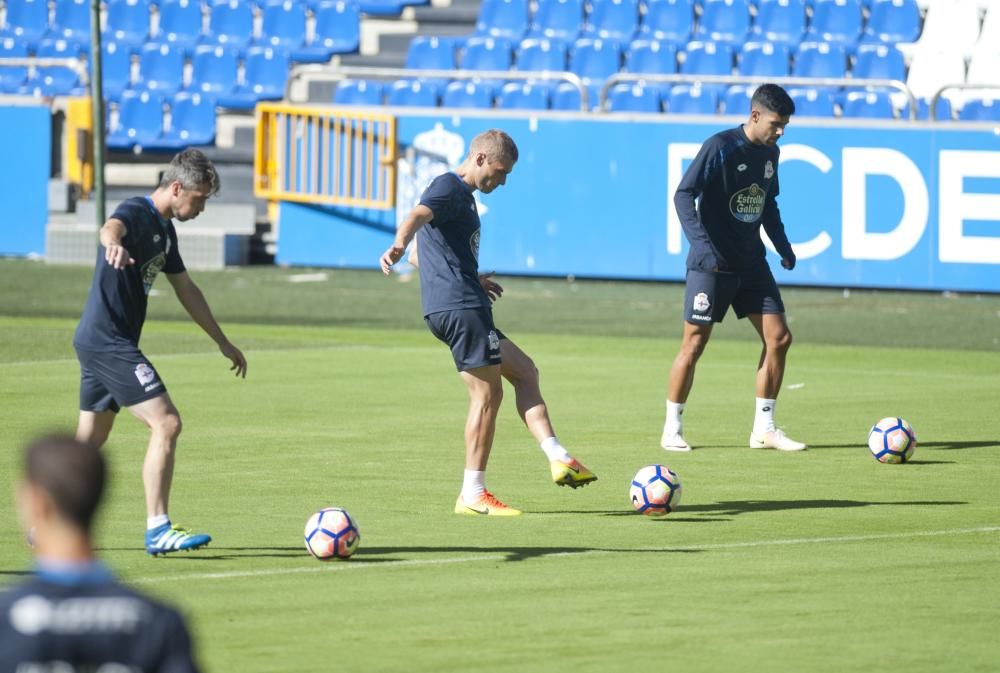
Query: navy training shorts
470, 334
708, 295
116, 379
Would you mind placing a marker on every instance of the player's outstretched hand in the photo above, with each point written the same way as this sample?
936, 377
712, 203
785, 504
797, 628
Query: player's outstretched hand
493, 289
117, 256
236, 357
788, 262
390, 257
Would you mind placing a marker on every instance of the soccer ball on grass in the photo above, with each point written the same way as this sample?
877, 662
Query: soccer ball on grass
331, 534
655, 490
892, 440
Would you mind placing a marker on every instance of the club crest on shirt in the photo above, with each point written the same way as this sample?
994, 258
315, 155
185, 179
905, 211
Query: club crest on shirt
747, 204
768, 170
701, 303
144, 373
474, 244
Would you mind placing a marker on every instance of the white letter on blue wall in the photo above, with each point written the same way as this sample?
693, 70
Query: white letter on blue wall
956, 206
859, 243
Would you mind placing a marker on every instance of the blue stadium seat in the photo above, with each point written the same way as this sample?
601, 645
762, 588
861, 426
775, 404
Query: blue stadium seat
980, 110
161, 68
214, 69
651, 57
594, 61
503, 18
383, 7
283, 24
558, 20
358, 92
565, 96
230, 22
71, 21
27, 21
868, 104
708, 58
265, 76
764, 59
539, 54
836, 22
180, 23
737, 99
127, 23
140, 121
634, 97
893, 21
811, 102
486, 53
668, 21
613, 20
724, 22
413, 93
468, 95
524, 96
336, 31
12, 79
879, 61
820, 59
692, 100
780, 22
116, 69
57, 81
943, 110
432, 53
192, 122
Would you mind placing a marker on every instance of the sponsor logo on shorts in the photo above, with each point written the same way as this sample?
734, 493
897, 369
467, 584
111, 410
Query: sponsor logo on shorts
701, 304
144, 373
703, 318
494, 340
748, 204
152, 386
768, 170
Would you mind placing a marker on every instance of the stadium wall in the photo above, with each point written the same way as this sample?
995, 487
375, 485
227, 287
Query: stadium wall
897, 205
24, 178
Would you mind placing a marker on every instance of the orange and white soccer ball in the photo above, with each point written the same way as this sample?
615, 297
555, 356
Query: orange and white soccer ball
655, 490
331, 533
892, 440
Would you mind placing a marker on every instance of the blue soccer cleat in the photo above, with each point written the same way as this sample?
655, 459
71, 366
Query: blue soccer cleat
168, 538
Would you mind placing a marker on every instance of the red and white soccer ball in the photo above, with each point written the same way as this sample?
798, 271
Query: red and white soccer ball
332, 534
892, 440
655, 490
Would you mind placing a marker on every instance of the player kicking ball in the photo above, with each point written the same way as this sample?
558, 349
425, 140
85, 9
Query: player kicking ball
457, 308
137, 242
726, 195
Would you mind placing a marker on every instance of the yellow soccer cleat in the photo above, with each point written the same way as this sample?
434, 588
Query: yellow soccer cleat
571, 472
487, 505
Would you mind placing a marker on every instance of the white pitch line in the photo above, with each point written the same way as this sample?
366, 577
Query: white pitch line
389, 565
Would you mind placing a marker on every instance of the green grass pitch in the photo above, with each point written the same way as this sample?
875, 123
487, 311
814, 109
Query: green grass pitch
812, 562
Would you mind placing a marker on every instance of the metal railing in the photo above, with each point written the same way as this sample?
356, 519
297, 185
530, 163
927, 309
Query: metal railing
783, 81
325, 73
964, 87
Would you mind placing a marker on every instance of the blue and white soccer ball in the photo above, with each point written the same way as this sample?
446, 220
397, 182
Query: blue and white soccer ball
332, 534
892, 440
655, 490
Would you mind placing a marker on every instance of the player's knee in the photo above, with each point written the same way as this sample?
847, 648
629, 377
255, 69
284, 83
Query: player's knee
694, 346
783, 341
170, 425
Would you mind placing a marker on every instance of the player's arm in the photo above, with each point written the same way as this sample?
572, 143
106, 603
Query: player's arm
776, 229
699, 173
197, 307
417, 218
112, 234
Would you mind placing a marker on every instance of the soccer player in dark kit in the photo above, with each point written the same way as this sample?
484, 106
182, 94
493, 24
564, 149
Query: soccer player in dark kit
726, 195
137, 242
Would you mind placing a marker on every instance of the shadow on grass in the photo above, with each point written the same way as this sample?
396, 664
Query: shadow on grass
734, 507
943, 445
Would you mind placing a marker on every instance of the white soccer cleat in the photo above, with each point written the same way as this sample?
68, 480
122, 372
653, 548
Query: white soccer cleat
775, 439
673, 441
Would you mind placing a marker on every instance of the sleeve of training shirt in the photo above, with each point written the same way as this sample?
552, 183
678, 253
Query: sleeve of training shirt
177, 656
174, 263
439, 197
772, 222
702, 170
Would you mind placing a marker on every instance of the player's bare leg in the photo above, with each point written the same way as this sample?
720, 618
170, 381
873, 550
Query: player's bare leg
693, 343
776, 339
485, 395
518, 368
93, 427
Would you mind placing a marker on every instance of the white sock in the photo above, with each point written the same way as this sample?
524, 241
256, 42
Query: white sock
473, 485
674, 423
156, 521
763, 421
554, 450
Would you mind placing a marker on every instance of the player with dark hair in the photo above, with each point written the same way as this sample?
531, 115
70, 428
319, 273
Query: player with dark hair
726, 195
137, 242
457, 309
73, 615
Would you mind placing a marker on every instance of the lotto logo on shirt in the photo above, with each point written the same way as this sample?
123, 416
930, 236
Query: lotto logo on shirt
747, 204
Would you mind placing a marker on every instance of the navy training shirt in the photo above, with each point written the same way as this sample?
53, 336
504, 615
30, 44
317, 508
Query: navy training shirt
735, 183
116, 306
449, 248
81, 619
